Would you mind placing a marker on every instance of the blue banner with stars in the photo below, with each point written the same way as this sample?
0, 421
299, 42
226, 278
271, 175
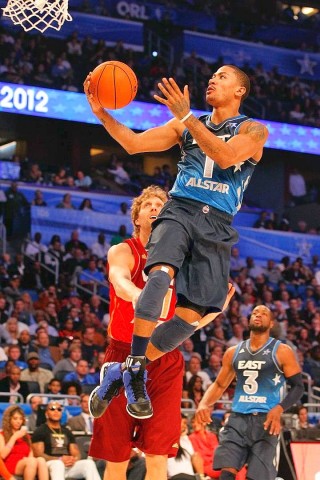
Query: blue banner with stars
238, 52
58, 104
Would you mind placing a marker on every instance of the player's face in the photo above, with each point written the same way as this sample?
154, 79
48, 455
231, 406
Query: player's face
221, 87
149, 211
260, 320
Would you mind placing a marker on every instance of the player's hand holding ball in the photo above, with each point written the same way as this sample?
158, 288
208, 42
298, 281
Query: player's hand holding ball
111, 85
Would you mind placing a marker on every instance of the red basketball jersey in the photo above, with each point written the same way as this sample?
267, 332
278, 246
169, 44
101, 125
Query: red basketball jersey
122, 312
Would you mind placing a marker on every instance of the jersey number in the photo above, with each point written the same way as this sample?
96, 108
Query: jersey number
250, 385
208, 167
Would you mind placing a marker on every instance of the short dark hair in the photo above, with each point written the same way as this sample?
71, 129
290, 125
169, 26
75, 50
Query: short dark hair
243, 79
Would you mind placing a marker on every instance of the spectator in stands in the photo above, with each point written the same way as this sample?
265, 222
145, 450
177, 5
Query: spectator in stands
13, 290
101, 247
91, 277
56, 444
11, 330
68, 329
214, 366
35, 373
15, 447
60, 179
72, 388
120, 236
187, 349
81, 374
236, 263
4, 472
194, 368
195, 390
53, 260
98, 307
66, 202
25, 344
313, 364
86, 204
303, 418
88, 347
32, 418
38, 199
204, 443
75, 242
14, 354
237, 336
4, 311
48, 354
84, 421
82, 181
68, 364
22, 313
297, 187
35, 249
34, 174
12, 383
187, 461
15, 205
120, 175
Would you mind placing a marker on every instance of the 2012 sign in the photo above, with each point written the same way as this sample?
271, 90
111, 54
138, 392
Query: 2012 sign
21, 98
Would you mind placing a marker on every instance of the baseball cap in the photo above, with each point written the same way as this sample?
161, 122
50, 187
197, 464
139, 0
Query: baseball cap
32, 355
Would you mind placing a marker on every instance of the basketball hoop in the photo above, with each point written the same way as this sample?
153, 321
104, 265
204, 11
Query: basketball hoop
38, 14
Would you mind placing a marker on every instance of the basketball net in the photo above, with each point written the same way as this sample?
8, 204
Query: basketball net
38, 14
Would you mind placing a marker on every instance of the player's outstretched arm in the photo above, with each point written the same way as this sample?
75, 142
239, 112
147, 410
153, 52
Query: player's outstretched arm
155, 139
216, 389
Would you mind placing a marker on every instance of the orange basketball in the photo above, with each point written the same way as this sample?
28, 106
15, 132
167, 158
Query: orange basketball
113, 84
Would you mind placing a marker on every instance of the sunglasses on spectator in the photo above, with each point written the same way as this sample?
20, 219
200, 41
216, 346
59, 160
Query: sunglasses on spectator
55, 408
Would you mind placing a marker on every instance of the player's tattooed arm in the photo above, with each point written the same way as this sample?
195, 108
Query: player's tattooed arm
255, 130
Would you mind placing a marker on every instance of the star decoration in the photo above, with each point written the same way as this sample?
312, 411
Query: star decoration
306, 65
276, 379
304, 248
237, 167
266, 352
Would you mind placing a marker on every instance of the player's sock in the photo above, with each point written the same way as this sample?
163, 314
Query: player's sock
139, 345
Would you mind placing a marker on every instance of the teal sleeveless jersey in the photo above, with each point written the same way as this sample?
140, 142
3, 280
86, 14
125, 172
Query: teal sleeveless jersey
260, 381
201, 179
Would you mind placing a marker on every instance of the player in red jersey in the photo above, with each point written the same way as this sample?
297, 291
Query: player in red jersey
115, 433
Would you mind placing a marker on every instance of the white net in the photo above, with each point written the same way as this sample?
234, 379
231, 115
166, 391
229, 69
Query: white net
38, 14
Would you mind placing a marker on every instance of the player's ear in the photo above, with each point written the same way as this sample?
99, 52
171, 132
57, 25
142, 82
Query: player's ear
241, 91
136, 222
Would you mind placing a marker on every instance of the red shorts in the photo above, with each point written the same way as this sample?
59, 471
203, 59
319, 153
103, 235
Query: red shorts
116, 432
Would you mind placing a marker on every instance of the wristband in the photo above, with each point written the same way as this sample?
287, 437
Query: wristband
186, 116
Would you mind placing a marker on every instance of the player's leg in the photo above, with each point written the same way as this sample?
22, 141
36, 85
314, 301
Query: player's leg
116, 471
156, 467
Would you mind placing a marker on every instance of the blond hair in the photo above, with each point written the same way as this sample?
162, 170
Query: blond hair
152, 191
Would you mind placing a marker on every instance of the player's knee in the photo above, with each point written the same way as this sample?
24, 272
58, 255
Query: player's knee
169, 335
227, 475
149, 304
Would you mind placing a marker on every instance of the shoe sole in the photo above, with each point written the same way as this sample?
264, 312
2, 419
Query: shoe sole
140, 417
94, 410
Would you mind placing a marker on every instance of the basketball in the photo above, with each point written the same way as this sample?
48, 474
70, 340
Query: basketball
113, 84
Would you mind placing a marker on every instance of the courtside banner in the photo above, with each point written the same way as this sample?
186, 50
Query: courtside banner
72, 106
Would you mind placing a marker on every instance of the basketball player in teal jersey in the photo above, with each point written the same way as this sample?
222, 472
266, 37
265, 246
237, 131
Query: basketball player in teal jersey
192, 237
262, 365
